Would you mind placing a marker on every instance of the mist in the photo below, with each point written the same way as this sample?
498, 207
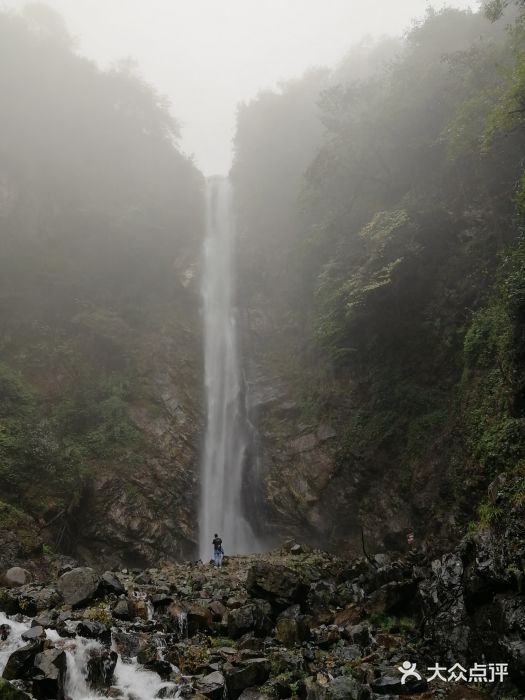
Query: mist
262, 350
206, 56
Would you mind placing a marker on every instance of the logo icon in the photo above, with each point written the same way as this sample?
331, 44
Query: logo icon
408, 670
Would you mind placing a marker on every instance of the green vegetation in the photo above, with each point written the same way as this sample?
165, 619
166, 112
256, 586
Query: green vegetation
404, 259
99, 213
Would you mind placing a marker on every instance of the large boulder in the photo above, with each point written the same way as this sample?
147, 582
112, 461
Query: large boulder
393, 598
78, 585
20, 663
110, 583
16, 576
123, 609
200, 619
254, 617
293, 630
251, 674
275, 583
212, 686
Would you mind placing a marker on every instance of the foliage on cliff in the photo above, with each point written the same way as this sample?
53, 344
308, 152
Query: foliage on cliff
408, 249
100, 214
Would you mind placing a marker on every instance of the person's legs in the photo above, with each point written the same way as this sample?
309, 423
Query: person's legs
216, 557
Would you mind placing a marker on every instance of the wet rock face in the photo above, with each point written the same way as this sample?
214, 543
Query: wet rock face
101, 667
145, 512
49, 674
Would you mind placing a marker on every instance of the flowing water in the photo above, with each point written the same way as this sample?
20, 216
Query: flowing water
131, 681
226, 430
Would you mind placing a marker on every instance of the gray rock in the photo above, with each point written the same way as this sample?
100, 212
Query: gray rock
91, 629
110, 583
253, 673
49, 674
32, 633
278, 584
20, 662
123, 609
254, 617
78, 585
16, 576
212, 686
359, 634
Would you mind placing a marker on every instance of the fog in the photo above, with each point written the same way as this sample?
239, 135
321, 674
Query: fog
207, 56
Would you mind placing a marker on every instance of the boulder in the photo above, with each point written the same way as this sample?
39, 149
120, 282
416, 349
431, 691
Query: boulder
20, 662
358, 634
291, 631
49, 674
78, 585
91, 629
16, 576
36, 632
253, 673
110, 583
392, 598
199, 619
275, 583
212, 686
122, 609
100, 667
254, 617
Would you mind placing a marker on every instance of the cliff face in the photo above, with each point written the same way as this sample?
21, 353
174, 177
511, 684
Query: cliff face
101, 221
382, 295
132, 500
144, 508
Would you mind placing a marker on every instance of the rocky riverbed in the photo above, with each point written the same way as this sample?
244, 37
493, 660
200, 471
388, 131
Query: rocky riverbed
292, 623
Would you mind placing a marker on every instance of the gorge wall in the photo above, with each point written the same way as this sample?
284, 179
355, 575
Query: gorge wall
380, 263
101, 229
380, 209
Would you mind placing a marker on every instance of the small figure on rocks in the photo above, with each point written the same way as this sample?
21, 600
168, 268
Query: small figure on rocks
218, 551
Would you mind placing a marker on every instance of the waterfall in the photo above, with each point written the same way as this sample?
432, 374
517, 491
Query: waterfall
226, 430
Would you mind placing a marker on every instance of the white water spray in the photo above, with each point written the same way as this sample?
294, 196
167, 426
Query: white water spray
225, 442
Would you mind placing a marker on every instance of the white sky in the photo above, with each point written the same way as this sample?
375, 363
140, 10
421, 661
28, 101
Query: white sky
208, 55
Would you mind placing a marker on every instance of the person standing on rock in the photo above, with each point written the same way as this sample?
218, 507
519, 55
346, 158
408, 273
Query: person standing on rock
218, 551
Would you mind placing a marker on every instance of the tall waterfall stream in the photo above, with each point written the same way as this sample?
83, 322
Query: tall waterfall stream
221, 508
